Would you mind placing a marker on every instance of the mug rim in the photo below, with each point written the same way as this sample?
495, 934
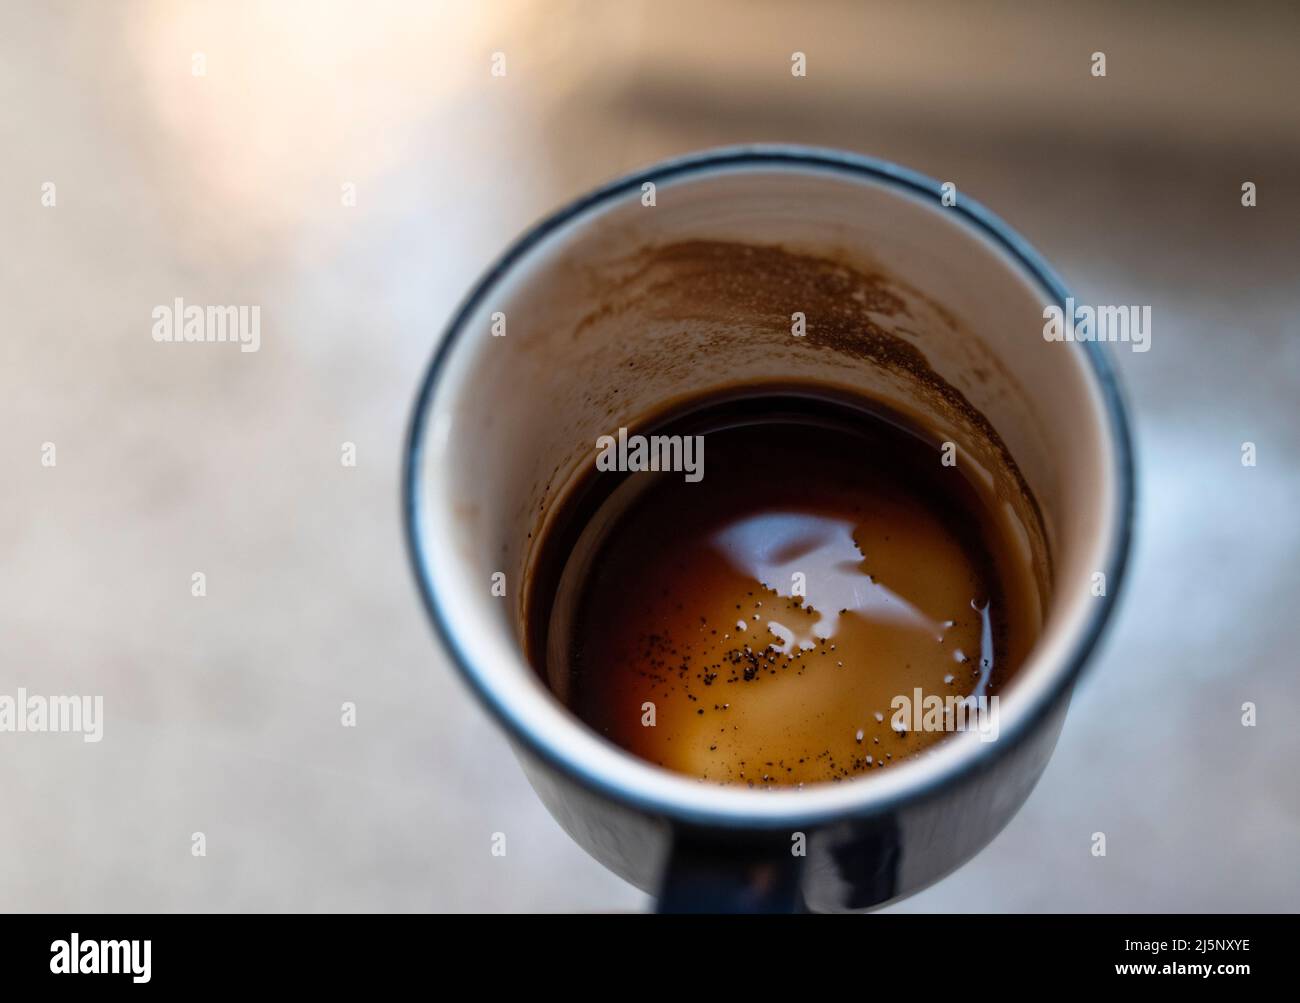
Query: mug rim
781, 810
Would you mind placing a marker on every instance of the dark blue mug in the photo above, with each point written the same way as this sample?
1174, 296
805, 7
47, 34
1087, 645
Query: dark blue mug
544, 356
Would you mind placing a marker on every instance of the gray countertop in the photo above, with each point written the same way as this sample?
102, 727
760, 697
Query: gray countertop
222, 713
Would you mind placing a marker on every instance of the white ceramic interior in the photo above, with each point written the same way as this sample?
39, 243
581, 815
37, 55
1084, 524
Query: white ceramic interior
595, 339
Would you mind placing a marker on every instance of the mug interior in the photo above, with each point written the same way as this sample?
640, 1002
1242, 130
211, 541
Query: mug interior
616, 309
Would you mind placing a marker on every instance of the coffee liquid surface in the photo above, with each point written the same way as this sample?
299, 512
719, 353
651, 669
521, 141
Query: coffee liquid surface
756, 627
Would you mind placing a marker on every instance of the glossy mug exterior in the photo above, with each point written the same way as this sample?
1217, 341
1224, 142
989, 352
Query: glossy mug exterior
502, 424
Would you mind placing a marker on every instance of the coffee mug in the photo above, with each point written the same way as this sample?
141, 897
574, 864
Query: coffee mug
549, 352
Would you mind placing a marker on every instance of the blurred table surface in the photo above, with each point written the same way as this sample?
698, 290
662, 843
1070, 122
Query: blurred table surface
222, 714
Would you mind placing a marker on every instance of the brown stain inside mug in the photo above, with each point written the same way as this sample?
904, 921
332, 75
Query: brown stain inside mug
713, 293
712, 289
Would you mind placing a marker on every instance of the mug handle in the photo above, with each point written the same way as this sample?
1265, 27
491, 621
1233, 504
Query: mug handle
711, 876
